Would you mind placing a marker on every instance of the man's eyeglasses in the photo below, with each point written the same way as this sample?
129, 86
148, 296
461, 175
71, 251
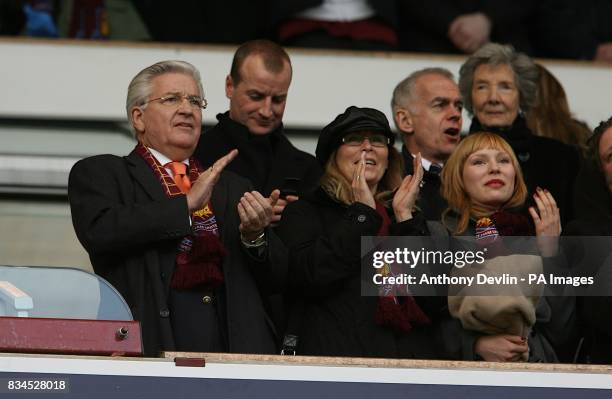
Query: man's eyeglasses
356, 139
176, 99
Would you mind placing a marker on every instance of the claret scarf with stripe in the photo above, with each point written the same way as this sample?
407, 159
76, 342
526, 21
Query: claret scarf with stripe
396, 310
200, 254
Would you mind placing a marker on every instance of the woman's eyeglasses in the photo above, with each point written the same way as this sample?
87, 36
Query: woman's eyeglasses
357, 139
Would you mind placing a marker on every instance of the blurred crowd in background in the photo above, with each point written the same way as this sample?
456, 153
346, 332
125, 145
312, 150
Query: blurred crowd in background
569, 29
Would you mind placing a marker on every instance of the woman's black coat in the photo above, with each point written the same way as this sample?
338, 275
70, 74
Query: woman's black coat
323, 237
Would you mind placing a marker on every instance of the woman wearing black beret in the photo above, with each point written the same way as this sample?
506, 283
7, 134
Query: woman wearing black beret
361, 194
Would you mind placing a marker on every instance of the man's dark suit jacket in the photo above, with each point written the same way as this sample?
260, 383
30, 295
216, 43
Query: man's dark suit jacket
430, 201
131, 230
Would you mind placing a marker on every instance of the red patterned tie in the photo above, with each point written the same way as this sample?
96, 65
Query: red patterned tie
180, 178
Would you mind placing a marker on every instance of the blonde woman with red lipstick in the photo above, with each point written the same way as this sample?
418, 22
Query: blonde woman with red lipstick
361, 194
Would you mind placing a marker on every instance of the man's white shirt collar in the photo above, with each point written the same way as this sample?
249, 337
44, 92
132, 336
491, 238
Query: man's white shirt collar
426, 163
162, 159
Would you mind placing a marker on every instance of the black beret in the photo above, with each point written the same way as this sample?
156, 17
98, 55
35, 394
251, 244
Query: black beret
354, 119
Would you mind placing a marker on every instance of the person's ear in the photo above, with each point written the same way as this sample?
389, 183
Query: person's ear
138, 120
403, 120
229, 87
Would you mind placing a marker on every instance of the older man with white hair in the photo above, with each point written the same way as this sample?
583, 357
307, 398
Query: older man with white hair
183, 245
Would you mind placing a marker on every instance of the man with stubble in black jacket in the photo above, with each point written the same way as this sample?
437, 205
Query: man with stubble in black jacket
257, 88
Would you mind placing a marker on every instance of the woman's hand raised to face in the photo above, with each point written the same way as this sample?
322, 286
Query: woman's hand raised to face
406, 195
547, 222
361, 190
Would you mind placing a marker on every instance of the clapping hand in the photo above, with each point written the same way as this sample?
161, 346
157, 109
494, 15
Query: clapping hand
547, 222
201, 190
406, 195
256, 213
279, 207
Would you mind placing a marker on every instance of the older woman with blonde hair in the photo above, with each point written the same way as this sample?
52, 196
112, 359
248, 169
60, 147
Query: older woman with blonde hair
361, 194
